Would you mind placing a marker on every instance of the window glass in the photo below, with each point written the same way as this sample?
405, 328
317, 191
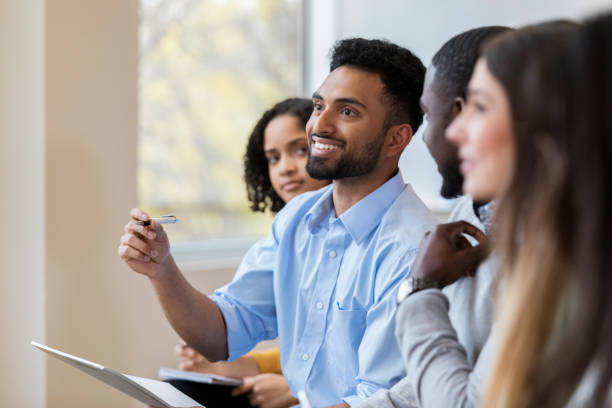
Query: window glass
208, 70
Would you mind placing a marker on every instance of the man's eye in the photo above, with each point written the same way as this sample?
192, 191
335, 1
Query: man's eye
348, 112
317, 106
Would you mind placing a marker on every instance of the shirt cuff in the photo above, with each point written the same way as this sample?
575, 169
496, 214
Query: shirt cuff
238, 343
352, 400
380, 399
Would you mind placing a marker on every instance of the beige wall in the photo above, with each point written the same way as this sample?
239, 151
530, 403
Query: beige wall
91, 127
22, 278
68, 134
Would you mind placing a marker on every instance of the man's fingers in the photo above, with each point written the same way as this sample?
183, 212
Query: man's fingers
147, 232
472, 257
137, 243
463, 227
461, 242
138, 215
158, 230
128, 253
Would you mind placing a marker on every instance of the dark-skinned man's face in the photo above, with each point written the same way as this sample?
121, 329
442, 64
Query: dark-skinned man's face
440, 110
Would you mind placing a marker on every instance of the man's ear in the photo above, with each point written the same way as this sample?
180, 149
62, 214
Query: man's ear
458, 104
399, 136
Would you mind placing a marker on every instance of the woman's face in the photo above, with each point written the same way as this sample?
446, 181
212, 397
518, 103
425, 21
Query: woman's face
286, 148
483, 135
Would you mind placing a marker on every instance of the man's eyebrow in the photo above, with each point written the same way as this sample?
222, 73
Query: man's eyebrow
351, 101
347, 99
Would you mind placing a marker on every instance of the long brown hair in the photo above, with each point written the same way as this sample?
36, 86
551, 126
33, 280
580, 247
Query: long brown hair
555, 217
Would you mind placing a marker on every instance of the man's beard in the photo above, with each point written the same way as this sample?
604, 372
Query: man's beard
357, 164
452, 181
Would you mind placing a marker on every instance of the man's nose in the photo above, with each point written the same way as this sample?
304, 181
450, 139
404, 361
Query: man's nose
323, 122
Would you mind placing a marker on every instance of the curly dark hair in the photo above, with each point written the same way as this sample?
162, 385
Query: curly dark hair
401, 72
455, 60
260, 192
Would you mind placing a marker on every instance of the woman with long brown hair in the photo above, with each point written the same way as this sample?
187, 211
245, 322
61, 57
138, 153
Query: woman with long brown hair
535, 137
554, 222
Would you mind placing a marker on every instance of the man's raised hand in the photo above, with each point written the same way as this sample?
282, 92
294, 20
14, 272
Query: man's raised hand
145, 249
445, 255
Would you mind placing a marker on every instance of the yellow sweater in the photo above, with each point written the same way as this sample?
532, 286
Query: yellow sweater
268, 361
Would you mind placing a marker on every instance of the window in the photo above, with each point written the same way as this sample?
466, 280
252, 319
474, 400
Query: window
208, 70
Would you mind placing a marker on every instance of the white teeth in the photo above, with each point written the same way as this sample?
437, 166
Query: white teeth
326, 146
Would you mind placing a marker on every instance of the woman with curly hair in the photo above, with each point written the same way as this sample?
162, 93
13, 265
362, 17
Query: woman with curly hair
274, 172
275, 160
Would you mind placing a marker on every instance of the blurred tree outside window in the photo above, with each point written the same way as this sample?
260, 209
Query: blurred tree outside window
208, 70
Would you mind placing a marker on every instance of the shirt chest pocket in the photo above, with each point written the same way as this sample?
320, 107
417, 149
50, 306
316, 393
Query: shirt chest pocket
345, 332
347, 325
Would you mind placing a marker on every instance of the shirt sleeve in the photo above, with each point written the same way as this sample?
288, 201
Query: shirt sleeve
268, 361
438, 370
247, 303
400, 396
380, 360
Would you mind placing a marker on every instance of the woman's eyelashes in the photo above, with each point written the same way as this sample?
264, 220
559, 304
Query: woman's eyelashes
475, 105
302, 150
273, 158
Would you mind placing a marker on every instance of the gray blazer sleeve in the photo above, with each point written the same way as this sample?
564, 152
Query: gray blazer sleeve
439, 374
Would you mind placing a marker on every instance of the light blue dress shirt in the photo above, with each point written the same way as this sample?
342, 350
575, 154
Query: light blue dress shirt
325, 286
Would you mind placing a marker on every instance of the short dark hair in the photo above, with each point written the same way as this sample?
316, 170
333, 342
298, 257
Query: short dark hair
401, 72
455, 60
260, 192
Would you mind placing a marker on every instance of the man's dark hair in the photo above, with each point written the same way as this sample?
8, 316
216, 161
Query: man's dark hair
455, 61
401, 72
260, 192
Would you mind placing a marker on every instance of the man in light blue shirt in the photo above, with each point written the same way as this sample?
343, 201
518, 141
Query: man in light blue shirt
324, 281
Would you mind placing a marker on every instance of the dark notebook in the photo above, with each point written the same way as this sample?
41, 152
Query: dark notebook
211, 395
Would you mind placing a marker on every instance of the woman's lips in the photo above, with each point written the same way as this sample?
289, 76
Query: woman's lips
466, 166
293, 185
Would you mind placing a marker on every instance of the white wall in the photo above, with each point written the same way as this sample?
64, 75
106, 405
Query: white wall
422, 27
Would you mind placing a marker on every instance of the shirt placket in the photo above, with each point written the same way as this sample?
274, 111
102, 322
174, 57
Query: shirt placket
327, 276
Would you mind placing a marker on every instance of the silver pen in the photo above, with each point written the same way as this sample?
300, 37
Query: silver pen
164, 219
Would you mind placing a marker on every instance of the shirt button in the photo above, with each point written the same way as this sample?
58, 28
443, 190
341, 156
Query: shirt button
305, 356
319, 305
332, 254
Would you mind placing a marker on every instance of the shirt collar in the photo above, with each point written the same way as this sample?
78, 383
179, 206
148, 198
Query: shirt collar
362, 217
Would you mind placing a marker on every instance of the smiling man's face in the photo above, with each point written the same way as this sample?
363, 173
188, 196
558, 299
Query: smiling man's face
346, 131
